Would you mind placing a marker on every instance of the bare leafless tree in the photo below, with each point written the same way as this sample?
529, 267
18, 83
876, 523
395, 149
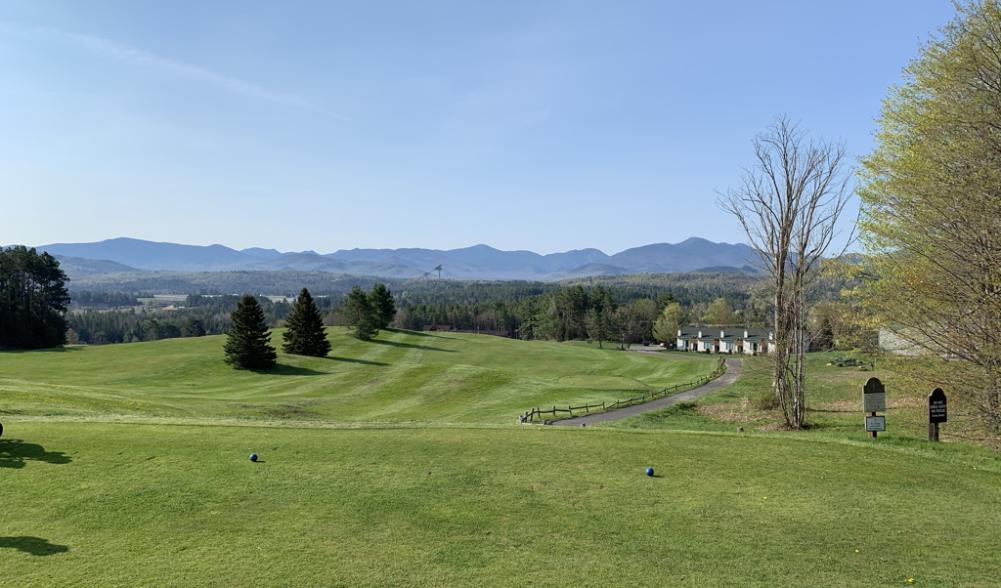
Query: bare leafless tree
789, 204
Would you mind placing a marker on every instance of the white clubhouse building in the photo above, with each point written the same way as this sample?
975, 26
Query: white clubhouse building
724, 340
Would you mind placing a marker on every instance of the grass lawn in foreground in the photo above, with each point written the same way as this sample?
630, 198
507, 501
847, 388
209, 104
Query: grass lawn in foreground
92, 504
834, 404
401, 376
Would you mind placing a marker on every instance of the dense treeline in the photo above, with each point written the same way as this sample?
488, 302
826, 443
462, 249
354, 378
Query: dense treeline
597, 313
687, 288
624, 312
98, 299
621, 309
270, 283
33, 299
198, 315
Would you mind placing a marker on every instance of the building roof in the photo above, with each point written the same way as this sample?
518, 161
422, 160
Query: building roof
728, 333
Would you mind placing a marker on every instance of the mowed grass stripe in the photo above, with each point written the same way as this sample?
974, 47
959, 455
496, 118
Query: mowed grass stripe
400, 376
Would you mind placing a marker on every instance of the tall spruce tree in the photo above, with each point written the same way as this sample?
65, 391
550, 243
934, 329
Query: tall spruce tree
383, 306
305, 334
248, 341
360, 315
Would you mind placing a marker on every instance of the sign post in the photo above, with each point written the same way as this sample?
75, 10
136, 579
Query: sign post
937, 412
873, 401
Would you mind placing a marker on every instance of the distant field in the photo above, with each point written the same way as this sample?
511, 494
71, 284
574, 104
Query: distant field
400, 377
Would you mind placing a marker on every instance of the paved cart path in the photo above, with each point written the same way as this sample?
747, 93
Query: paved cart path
732, 371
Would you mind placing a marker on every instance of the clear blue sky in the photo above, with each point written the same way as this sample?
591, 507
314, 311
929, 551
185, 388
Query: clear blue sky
328, 125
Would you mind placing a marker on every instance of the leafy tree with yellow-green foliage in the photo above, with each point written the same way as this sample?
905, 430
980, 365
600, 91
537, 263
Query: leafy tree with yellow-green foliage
931, 198
719, 313
672, 318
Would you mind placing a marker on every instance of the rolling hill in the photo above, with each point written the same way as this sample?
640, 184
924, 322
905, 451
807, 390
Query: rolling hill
400, 377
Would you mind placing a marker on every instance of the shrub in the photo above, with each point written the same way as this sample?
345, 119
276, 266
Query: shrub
764, 400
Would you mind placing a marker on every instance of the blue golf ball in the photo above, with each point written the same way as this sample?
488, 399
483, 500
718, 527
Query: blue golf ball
253, 457
649, 471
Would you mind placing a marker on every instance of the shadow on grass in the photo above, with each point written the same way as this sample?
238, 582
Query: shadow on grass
418, 333
353, 360
289, 370
32, 545
411, 346
14, 453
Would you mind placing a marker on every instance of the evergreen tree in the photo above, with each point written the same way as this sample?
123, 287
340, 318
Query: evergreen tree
599, 321
305, 334
193, 328
248, 341
360, 315
33, 299
383, 306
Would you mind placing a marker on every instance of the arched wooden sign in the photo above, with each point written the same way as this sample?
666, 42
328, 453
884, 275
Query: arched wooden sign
873, 396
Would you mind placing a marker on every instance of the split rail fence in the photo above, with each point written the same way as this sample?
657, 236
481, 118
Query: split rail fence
558, 413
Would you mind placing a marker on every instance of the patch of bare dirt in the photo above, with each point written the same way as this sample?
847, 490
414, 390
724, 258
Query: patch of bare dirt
856, 405
775, 426
905, 402
839, 406
732, 412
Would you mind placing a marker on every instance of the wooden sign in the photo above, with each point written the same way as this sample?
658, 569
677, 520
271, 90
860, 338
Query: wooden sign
937, 412
873, 396
875, 424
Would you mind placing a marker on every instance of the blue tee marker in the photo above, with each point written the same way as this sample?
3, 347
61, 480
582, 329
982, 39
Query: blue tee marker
649, 471
253, 457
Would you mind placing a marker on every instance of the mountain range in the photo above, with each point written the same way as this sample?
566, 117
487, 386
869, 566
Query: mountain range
477, 262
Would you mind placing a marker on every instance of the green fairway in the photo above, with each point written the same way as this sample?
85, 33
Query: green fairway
399, 377
123, 505
397, 462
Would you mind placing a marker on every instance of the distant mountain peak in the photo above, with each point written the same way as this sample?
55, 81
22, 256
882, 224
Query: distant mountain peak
480, 261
